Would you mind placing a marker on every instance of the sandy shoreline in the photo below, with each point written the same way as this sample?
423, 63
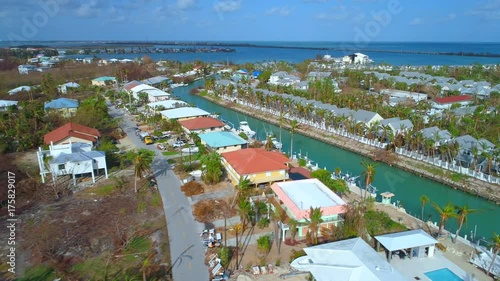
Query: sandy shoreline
470, 185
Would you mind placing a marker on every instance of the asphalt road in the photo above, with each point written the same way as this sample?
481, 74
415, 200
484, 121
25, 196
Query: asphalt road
186, 249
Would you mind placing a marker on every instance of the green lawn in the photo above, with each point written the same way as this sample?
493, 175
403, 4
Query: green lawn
169, 153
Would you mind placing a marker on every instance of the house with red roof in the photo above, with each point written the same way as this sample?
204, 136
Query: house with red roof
297, 197
256, 164
72, 133
202, 125
447, 102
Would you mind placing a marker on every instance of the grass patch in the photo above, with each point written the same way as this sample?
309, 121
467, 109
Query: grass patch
171, 161
169, 153
456, 177
378, 223
105, 190
156, 199
41, 272
138, 244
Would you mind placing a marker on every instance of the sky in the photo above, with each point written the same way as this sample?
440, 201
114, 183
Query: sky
257, 20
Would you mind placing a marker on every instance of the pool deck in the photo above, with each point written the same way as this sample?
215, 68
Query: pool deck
417, 267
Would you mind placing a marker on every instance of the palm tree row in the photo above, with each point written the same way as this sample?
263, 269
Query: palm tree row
305, 112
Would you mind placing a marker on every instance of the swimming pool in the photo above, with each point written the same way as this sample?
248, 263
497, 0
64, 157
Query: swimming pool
443, 274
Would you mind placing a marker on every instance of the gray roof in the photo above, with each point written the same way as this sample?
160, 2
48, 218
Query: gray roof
398, 125
466, 142
484, 142
364, 115
224, 82
346, 112
430, 133
461, 111
386, 122
319, 74
155, 80
77, 157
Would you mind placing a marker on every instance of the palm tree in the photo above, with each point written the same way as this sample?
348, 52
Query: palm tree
462, 213
496, 249
269, 144
369, 174
423, 201
445, 213
242, 188
294, 124
314, 222
142, 160
292, 225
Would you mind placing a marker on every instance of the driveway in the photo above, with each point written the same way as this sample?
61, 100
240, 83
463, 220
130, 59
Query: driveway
186, 250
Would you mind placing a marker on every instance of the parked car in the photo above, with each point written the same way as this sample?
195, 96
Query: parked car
161, 146
178, 144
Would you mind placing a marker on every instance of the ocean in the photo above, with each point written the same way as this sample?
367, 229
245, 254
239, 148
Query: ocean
295, 52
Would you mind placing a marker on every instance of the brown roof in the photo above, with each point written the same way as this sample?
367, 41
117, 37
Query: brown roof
71, 130
301, 170
453, 99
256, 160
200, 123
131, 85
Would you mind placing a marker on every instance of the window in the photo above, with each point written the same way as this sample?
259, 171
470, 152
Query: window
61, 167
268, 174
282, 172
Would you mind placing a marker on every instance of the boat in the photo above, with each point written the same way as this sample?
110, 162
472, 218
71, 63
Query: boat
276, 143
190, 150
245, 128
175, 85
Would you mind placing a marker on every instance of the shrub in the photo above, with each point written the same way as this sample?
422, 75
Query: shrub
192, 188
263, 223
378, 222
278, 262
296, 254
302, 162
243, 136
264, 244
225, 256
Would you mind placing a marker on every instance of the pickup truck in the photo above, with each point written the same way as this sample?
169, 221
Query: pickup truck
148, 140
178, 144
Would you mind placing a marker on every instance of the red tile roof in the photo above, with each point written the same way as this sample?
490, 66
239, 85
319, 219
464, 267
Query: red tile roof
453, 99
301, 170
131, 85
72, 130
201, 123
256, 160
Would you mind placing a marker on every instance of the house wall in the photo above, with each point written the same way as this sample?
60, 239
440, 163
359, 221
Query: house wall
65, 112
227, 148
257, 178
72, 168
98, 83
302, 230
213, 129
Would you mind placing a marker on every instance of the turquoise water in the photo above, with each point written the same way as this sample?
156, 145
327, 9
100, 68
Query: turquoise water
407, 187
443, 274
250, 54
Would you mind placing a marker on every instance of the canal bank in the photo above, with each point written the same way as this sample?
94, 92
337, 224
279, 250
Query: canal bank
407, 187
470, 185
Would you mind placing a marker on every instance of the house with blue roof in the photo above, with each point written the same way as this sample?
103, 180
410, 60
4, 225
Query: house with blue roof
223, 141
66, 107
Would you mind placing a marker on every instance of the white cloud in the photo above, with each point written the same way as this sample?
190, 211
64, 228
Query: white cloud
489, 11
449, 17
280, 11
416, 21
186, 4
227, 6
337, 13
88, 10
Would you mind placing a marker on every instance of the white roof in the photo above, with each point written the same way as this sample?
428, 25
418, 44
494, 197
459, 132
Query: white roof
5, 103
183, 112
347, 260
168, 104
405, 240
310, 193
152, 91
19, 89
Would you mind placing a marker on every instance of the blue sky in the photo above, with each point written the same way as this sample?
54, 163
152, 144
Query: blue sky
257, 20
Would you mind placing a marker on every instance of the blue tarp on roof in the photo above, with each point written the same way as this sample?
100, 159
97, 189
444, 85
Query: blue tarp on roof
61, 103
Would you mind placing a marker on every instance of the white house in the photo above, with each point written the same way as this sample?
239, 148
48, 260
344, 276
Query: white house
447, 102
182, 113
73, 159
25, 68
153, 93
277, 76
166, 104
5, 104
19, 89
63, 89
366, 117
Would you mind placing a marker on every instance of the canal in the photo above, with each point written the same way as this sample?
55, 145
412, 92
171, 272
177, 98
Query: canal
407, 187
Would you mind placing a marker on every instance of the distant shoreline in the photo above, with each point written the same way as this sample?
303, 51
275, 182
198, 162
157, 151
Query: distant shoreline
125, 44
